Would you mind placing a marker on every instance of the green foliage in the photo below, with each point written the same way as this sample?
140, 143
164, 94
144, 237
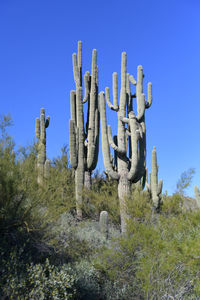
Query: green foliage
37, 281
47, 253
103, 196
158, 258
185, 181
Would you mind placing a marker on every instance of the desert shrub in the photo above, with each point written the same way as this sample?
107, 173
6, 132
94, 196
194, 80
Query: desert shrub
103, 196
37, 281
77, 240
157, 259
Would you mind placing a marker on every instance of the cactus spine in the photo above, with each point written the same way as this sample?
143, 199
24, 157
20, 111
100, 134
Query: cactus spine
84, 145
153, 186
197, 196
130, 168
40, 132
103, 222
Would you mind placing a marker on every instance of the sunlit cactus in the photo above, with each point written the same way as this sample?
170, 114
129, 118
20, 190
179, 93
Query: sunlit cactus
153, 186
84, 140
197, 195
130, 143
40, 132
103, 223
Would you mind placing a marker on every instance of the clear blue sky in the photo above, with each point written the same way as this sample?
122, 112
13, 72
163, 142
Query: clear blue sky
38, 38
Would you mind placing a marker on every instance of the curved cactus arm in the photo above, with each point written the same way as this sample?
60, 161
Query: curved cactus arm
132, 80
124, 120
112, 143
128, 132
105, 143
110, 105
37, 128
149, 102
87, 86
73, 153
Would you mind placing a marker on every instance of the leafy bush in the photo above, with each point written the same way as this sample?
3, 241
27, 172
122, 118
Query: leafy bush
37, 281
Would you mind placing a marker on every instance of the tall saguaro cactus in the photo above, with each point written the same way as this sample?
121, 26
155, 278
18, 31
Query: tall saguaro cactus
84, 142
40, 132
197, 195
153, 186
129, 165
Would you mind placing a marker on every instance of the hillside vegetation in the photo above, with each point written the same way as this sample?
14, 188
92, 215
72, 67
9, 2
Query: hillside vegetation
48, 253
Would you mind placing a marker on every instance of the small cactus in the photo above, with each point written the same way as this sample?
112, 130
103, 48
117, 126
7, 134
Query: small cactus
197, 195
153, 186
103, 222
40, 132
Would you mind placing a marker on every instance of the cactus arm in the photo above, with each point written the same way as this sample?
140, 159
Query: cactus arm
112, 143
93, 103
124, 120
140, 106
47, 167
115, 91
75, 69
110, 105
47, 121
80, 60
105, 143
134, 149
87, 86
97, 125
72, 144
132, 80
73, 105
160, 185
149, 102
37, 128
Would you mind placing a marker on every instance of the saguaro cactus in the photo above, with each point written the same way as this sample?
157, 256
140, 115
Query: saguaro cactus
103, 223
84, 144
40, 132
153, 186
197, 195
131, 134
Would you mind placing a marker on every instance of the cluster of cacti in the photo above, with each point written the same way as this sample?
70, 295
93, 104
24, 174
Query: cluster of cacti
84, 144
127, 168
197, 195
153, 186
43, 164
103, 223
